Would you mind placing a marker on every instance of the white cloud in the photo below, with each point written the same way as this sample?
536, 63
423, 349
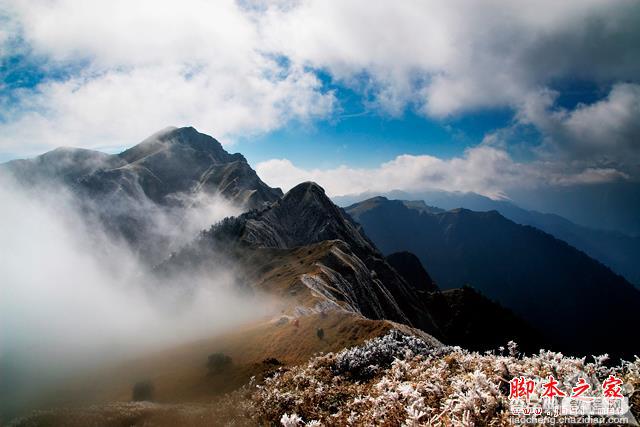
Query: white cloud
605, 132
459, 55
484, 170
612, 123
75, 297
145, 65
117, 108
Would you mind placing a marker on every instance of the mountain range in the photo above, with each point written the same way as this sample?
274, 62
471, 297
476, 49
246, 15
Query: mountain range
574, 299
615, 249
337, 276
299, 246
169, 162
340, 276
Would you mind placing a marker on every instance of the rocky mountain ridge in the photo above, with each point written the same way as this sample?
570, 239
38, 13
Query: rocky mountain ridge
145, 193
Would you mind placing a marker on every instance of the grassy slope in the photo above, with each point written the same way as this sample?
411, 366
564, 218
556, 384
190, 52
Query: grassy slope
181, 374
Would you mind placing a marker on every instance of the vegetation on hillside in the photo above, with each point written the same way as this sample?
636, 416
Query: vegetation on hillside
395, 379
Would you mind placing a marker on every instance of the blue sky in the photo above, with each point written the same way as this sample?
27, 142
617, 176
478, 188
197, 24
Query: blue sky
363, 138
357, 134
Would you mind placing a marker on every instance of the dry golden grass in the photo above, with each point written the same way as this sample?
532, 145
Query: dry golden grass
180, 375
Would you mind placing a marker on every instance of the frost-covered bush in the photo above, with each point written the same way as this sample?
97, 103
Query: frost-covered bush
364, 361
414, 384
400, 380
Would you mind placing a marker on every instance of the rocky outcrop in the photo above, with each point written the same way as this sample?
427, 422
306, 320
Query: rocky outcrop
181, 161
351, 272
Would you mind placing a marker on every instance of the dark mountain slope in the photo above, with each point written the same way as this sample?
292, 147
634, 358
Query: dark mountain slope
618, 251
558, 289
465, 317
410, 267
468, 319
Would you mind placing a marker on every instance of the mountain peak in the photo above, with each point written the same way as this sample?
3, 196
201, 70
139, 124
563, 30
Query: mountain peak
378, 199
186, 133
303, 216
177, 140
307, 193
305, 189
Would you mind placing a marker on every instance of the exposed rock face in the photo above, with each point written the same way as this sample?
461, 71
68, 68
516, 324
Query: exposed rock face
182, 161
303, 216
349, 271
145, 191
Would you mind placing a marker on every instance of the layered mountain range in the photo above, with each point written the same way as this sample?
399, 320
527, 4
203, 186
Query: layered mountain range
615, 249
577, 302
319, 260
168, 163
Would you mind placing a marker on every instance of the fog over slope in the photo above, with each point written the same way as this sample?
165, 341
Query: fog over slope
74, 296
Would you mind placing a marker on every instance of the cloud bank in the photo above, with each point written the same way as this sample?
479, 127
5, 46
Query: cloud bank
484, 170
114, 70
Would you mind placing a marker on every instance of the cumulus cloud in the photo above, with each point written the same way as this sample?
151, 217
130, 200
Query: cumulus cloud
115, 107
606, 131
485, 169
136, 67
456, 56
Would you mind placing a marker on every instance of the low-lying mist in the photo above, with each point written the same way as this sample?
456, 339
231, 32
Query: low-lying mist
73, 296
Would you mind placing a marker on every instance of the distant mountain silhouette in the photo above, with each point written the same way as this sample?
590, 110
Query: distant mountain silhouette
410, 267
581, 304
618, 251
